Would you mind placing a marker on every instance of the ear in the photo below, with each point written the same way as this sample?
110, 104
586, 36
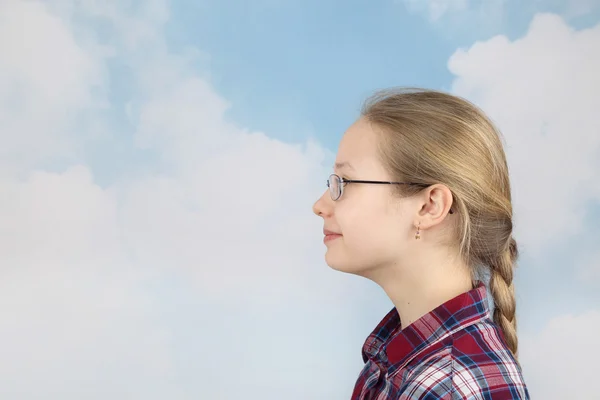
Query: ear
436, 204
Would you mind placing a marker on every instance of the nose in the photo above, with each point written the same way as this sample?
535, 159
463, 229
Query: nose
323, 206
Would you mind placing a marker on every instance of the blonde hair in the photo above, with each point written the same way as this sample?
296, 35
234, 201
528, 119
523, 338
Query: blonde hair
433, 137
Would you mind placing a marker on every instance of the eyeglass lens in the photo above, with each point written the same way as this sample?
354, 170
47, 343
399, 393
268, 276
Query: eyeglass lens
334, 186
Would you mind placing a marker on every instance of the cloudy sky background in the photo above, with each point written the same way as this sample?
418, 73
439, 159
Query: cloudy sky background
159, 160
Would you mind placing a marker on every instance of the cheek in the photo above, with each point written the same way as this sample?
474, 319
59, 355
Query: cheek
374, 237
369, 219
371, 236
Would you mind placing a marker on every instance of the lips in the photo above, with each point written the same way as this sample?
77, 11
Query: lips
330, 235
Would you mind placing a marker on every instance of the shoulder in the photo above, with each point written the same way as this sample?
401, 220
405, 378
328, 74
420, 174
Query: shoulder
483, 365
473, 363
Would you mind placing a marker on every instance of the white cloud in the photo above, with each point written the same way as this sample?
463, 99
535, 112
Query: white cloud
543, 91
75, 318
46, 79
561, 361
82, 263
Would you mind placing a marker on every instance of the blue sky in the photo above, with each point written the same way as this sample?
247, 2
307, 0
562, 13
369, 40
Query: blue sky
160, 160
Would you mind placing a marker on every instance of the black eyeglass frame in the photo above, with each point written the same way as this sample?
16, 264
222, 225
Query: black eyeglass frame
344, 181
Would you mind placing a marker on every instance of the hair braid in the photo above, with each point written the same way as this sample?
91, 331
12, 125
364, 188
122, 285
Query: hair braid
503, 292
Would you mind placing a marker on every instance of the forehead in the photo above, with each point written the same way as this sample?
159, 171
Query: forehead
358, 148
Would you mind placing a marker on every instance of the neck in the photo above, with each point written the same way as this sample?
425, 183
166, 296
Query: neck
419, 288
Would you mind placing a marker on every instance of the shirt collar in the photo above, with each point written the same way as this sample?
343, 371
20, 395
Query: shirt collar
389, 346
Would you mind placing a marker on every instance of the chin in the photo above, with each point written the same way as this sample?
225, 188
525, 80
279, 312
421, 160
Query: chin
345, 264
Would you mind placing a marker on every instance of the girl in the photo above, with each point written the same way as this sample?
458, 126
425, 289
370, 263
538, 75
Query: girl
420, 203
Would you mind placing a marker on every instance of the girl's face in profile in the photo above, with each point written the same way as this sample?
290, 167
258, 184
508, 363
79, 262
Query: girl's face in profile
375, 225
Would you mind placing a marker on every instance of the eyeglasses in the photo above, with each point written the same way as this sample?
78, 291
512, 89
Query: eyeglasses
336, 185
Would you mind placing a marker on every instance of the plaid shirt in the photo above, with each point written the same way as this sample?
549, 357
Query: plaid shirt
454, 352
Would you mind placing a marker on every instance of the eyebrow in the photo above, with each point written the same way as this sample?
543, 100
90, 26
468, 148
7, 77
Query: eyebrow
345, 164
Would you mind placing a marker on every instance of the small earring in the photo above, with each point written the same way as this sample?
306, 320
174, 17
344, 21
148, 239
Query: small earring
418, 234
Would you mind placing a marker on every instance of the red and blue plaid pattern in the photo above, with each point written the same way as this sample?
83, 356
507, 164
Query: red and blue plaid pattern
454, 352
